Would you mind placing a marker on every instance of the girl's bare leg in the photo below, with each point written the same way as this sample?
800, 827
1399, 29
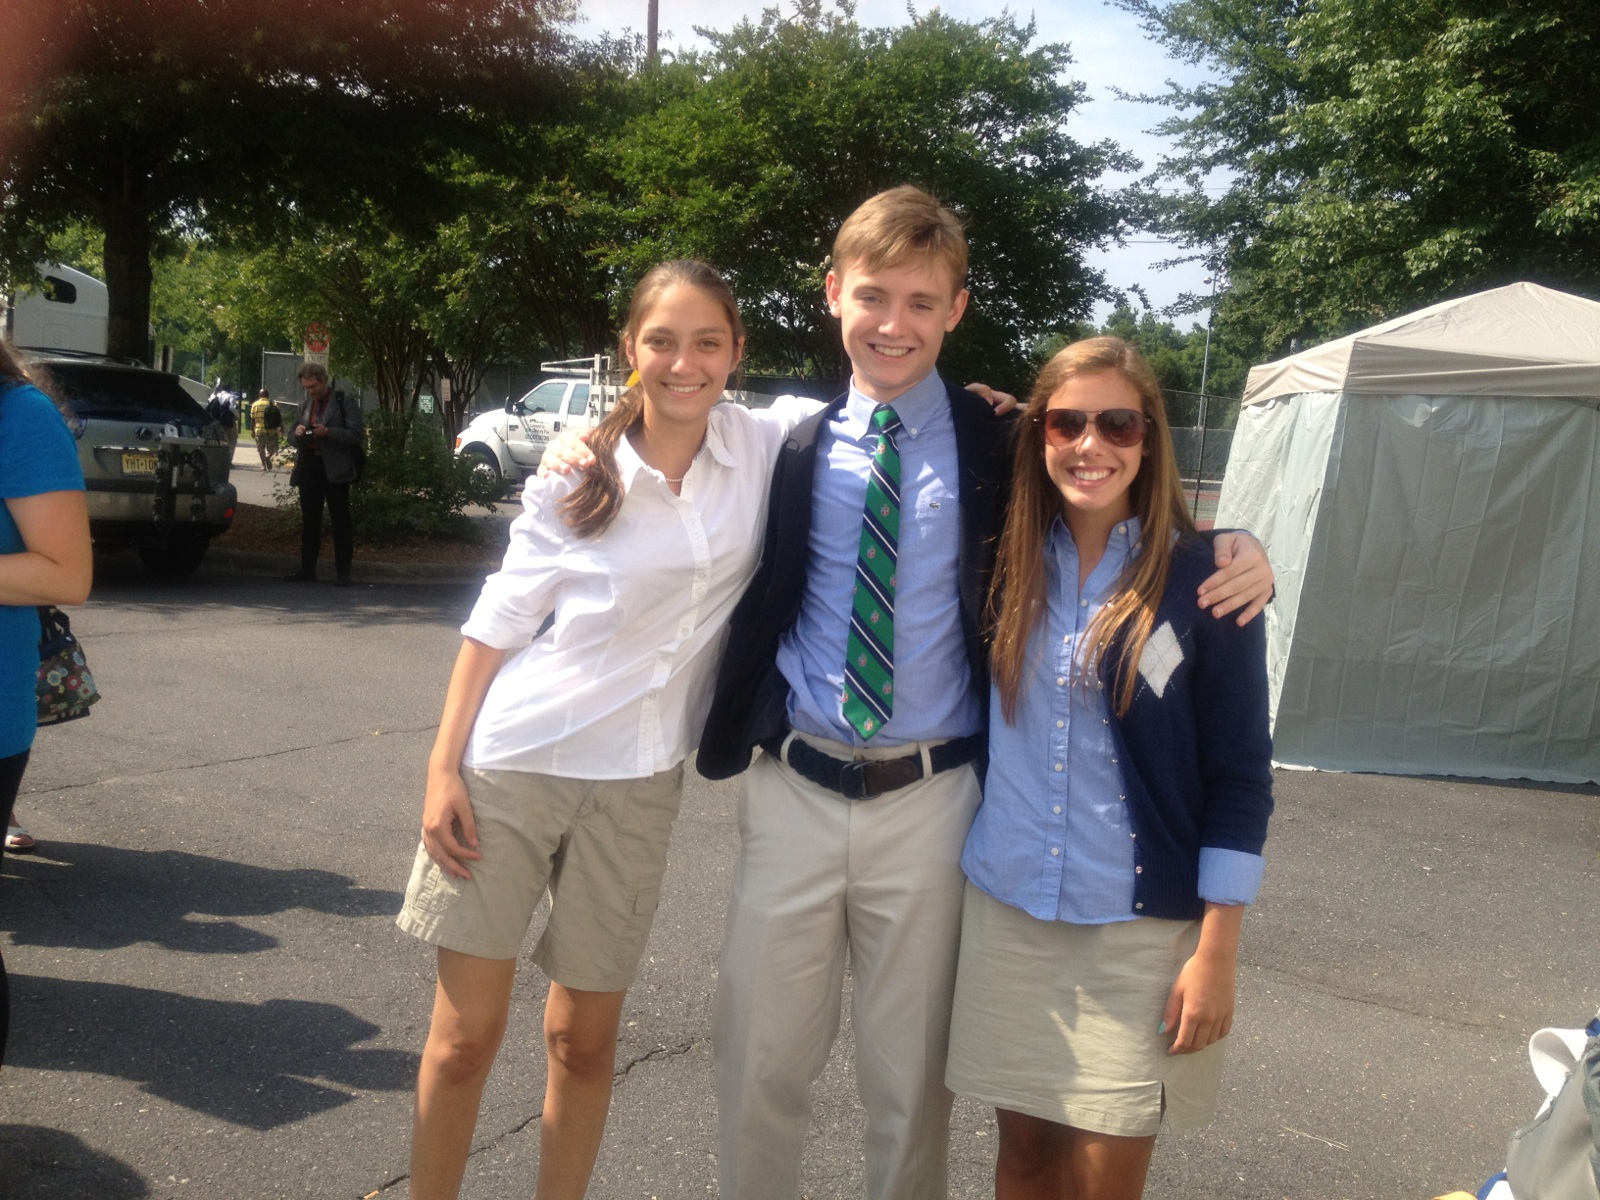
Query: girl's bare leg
580, 1035
469, 1019
1043, 1160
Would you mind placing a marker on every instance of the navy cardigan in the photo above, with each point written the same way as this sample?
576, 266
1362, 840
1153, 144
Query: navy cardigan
1194, 747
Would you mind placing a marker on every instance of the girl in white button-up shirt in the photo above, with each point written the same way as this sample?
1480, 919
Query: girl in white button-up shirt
559, 755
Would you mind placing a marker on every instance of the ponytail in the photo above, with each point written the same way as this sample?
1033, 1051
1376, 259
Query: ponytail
595, 503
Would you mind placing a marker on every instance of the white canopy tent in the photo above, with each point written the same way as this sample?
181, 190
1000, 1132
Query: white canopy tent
1429, 493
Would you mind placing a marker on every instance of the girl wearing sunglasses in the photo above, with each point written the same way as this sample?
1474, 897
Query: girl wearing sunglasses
1126, 802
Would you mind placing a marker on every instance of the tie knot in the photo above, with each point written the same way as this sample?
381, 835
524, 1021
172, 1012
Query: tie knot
885, 420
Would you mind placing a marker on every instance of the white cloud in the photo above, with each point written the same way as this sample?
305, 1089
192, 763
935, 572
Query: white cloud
1110, 51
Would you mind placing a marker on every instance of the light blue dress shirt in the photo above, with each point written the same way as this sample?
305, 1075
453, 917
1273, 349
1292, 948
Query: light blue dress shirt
1053, 836
934, 695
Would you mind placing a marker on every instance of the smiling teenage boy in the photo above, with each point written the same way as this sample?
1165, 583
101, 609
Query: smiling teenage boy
856, 661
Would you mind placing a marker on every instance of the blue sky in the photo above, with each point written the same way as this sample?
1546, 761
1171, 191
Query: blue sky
1109, 51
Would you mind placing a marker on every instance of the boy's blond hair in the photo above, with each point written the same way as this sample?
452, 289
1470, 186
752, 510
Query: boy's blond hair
903, 224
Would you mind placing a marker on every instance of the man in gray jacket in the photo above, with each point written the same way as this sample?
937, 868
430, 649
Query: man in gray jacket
328, 439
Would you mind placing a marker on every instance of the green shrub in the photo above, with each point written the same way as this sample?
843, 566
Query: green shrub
413, 485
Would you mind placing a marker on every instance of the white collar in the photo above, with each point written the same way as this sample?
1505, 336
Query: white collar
915, 407
629, 464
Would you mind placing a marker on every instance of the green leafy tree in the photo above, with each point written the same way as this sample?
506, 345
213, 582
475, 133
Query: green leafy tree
153, 119
1383, 154
521, 272
751, 155
1180, 359
371, 286
199, 302
564, 219
197, 309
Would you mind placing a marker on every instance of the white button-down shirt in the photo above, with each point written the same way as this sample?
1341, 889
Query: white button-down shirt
619, 685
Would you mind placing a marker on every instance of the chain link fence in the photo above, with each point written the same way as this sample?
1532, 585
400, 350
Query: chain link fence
1202, 435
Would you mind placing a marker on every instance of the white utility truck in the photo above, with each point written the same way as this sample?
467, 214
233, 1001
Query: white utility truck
508, 442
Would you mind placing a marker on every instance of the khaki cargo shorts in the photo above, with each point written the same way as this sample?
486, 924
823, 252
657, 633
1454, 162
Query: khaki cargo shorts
597, 846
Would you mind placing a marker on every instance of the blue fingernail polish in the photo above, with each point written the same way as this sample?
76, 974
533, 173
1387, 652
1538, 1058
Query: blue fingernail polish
1161, 1028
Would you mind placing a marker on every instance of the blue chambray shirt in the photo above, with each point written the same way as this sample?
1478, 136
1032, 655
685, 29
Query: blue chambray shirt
934, 695
1053, 836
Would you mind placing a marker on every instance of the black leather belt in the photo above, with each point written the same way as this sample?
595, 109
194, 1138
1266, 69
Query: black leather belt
866, 779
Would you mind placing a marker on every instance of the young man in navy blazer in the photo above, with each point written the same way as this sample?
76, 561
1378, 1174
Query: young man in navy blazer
854, 817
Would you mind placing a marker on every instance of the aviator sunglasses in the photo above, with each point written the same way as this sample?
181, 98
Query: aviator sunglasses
1116, 426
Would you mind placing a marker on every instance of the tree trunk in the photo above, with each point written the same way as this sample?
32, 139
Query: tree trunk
465, 375
127, 258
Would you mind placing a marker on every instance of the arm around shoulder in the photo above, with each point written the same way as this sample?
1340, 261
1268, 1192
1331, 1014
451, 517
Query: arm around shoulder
789, 411
1243, 581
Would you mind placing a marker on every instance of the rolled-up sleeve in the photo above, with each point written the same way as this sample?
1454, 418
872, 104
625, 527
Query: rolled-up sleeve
1230, 876
517, 599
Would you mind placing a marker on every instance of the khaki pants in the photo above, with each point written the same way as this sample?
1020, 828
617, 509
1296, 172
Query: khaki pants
820, 876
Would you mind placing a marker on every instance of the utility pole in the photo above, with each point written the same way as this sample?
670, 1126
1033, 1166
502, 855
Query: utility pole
652, 23
1205, 369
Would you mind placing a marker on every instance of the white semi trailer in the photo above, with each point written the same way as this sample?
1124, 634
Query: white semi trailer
70, 312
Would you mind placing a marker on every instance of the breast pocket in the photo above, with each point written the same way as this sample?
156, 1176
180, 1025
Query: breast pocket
937, 513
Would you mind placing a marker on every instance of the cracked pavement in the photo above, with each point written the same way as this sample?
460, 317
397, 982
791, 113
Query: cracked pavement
210, 997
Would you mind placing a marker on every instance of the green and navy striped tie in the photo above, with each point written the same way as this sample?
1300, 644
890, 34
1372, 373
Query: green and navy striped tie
869, 665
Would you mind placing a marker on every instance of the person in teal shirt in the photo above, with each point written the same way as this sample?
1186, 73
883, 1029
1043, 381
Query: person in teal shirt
45, 558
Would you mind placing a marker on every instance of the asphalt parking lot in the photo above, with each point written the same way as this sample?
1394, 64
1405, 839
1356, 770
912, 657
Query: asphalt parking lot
210, 997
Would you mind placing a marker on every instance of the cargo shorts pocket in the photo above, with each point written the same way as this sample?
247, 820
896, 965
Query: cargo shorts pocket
431, 889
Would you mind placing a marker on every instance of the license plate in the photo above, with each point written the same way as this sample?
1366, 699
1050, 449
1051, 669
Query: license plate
138, 464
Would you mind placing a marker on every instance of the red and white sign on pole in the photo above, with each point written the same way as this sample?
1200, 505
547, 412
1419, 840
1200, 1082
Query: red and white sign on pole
316, 348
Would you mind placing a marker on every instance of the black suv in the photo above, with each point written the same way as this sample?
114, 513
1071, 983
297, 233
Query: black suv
154, 462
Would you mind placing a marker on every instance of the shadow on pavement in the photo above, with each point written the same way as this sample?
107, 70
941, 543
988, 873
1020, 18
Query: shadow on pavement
46, 1164
250, 1064
94, 897
121, 580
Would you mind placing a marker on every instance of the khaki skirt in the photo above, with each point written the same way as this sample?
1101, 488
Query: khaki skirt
1060, 1021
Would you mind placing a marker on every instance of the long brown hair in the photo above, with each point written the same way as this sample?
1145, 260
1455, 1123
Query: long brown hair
595, 503
11, 368
1017, 597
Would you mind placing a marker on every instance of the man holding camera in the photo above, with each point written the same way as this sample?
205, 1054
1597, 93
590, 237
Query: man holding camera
327, 439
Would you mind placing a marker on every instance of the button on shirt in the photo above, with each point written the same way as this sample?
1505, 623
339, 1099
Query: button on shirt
934, 696
1053, 836
619, 685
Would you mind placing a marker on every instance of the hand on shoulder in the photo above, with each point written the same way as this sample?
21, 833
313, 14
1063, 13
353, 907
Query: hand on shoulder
1243, 580
1001, 402
567, 453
